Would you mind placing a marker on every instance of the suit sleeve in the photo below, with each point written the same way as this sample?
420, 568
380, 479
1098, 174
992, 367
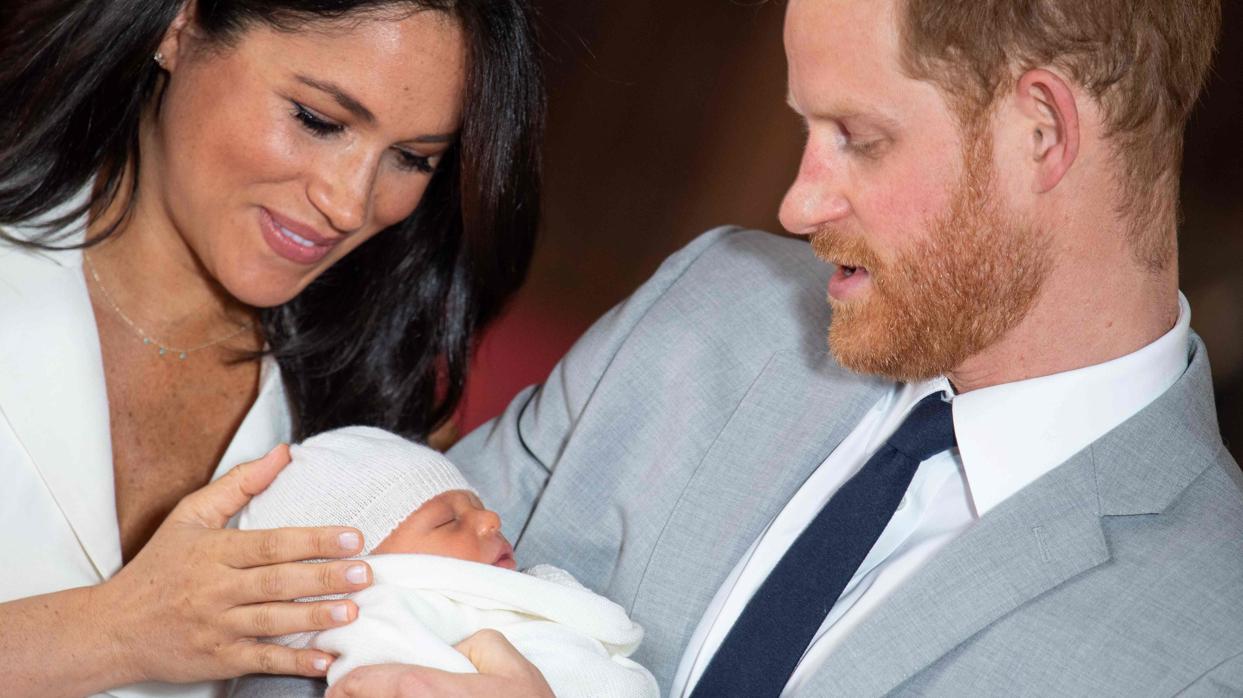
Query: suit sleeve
1222, 681
256, 686
510, 459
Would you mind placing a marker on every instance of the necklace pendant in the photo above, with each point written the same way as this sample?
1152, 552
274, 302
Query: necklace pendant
182, 356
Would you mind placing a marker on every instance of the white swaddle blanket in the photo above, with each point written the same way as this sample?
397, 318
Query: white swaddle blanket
419, 606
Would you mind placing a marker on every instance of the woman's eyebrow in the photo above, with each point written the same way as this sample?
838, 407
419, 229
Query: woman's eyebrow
345, 99
355, 107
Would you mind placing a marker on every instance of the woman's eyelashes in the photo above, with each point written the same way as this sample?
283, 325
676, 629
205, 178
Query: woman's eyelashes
320, 127
415, 163
314, 123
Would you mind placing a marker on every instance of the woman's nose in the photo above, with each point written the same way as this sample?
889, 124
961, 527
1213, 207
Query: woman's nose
816, 198
343, 193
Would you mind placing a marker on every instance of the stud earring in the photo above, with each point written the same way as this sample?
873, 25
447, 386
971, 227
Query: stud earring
159, 58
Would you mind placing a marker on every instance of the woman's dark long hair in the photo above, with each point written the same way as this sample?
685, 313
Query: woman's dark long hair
384, 336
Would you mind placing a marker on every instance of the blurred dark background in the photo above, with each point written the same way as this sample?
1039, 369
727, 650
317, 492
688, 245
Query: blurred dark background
669, 118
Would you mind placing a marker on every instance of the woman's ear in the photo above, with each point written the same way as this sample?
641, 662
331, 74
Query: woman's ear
1048, 103
176, 38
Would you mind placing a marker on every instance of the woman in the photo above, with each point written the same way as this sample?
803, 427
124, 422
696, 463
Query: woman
229, 223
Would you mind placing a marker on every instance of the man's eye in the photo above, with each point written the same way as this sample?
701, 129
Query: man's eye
865, 147
446, 522
314, 123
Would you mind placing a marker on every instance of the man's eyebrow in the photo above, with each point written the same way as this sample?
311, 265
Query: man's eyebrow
347, 101
846, 109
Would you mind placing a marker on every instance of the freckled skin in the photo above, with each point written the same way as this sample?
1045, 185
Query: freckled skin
191, 264
227, 143
452, 524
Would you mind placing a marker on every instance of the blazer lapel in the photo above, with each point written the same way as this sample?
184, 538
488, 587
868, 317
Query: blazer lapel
796, 412
53, 394
1023, 548
1038, 539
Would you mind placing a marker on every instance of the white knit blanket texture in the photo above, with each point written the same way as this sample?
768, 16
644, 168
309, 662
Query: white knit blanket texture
419, 606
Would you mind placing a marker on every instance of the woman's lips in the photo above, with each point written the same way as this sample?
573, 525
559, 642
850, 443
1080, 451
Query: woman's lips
848, 282
293, 241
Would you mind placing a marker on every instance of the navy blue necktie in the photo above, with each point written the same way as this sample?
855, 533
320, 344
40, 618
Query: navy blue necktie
761, 651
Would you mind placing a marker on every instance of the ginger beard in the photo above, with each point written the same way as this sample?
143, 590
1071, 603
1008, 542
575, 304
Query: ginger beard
971, 279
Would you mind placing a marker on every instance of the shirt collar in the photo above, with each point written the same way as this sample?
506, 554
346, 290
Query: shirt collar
1010, 435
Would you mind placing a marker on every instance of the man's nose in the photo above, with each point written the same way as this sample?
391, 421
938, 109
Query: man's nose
817, 196
343, 192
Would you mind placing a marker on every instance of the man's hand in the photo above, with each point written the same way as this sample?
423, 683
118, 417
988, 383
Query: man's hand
502, 672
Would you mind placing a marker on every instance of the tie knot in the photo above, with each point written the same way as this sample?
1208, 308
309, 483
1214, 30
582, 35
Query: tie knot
927, 430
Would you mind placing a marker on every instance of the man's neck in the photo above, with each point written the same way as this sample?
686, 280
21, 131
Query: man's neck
1078, 321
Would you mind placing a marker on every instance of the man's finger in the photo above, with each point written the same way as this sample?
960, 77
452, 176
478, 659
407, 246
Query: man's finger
497, 660
491, 653
213, 505
402, 681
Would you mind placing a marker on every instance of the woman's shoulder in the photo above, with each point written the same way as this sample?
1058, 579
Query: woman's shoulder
61, 241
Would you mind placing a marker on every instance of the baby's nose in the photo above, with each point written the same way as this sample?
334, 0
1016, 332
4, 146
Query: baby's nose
487, 521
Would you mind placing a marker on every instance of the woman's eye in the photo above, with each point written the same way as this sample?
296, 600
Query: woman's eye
415, 163
314, 123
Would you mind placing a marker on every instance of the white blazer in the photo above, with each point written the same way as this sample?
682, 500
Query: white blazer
57, 496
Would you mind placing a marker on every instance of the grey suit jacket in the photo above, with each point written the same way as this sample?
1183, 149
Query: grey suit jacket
685, 419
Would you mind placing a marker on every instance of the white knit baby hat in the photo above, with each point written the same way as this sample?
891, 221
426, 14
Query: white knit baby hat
363, 477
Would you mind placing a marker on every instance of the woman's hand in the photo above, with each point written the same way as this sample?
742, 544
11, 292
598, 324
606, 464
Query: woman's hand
503, 671
193, 603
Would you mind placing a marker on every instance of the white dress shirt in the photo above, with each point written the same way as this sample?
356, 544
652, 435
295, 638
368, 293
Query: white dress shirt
1008, 435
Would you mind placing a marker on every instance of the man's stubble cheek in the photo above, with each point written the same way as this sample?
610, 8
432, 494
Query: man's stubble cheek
972, 278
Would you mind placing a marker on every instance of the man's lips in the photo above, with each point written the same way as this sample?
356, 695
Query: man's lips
848, 282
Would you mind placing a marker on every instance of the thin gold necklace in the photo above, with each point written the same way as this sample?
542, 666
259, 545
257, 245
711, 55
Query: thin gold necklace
164, 349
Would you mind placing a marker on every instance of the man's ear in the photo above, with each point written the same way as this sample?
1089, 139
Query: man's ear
176, 37
1048, 103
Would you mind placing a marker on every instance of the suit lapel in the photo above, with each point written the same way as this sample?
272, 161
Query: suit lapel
796, 412
53, 394
1026, 546
1041, 537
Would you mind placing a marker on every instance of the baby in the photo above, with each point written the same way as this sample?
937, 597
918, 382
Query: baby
442, 570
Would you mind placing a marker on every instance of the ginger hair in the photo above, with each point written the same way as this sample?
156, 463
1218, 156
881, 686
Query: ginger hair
1145, 62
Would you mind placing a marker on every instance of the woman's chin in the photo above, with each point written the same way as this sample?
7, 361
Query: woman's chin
263, 292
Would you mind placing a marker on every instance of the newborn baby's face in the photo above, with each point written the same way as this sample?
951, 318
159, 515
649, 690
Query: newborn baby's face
452, 524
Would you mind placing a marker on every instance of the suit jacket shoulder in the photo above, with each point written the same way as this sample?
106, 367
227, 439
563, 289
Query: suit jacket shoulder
677, 427
686, 418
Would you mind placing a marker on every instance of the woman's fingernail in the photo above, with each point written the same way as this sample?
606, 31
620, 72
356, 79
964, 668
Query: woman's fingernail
340, 613
349, 541
320, 664
356, 574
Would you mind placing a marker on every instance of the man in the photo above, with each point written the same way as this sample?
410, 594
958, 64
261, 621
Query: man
996, 184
